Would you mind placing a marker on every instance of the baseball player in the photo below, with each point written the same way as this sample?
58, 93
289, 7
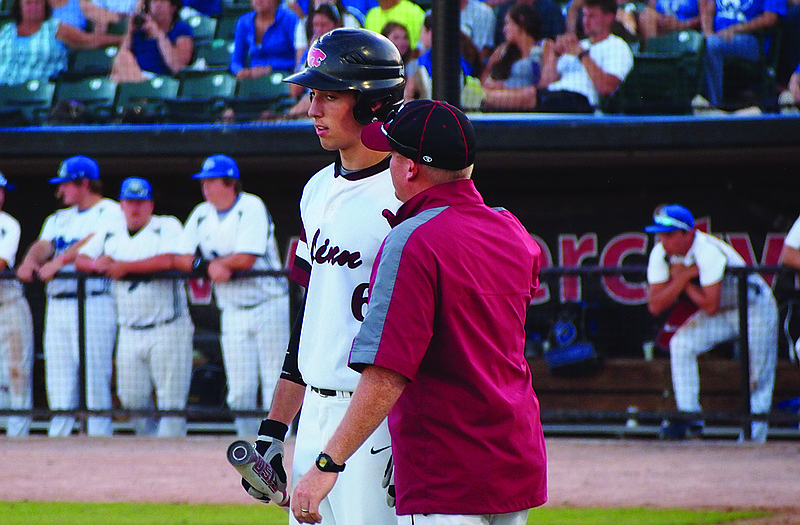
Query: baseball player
233, 231
688, 261
155, 331
355, 76
16, 329
63, 233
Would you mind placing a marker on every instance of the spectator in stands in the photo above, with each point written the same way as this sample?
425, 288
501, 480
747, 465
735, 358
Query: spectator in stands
514, 69
419, 84
102, 13
405, 12
690, 263
478, 22
660, 17
575, 74
336, 12
623, 26
157, 42
550, 13
734, 30
264, 40
794, 87
35, 46
398, 34
68, 11
16, 329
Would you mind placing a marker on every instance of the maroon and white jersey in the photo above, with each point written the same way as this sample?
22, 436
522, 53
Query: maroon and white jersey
343, 227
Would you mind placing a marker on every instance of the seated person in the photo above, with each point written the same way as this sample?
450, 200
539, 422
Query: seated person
575, 74
665, 16
731, 30
405, 12
623, 26
419, 84
69, 11
513, 71
398, 34
478, 20
264, 40
553, 23
347, 17
104, 12
157, 42
35, 46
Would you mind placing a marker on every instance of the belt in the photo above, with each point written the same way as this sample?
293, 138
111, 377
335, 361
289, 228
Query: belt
324, 392
153, 325
74, 295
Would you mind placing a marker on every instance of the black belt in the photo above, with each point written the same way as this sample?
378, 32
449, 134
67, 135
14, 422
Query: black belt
331, 393
73, 295
153, 325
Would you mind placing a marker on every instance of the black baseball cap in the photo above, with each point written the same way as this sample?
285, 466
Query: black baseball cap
427, 131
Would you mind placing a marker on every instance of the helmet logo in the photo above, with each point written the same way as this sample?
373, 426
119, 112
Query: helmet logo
315, 57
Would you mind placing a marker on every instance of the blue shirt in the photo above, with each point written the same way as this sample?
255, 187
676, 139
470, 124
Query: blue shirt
71, 14
680, 9
208, 7
730, 13
426, 60
145, 49
277, 45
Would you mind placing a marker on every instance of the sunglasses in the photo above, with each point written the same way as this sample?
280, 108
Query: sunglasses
670, 222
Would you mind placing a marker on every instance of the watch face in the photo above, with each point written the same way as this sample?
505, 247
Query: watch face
322, 462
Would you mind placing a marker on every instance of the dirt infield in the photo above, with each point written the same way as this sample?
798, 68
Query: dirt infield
582, 473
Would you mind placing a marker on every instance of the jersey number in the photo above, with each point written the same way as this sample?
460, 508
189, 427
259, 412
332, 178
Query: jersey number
360, 298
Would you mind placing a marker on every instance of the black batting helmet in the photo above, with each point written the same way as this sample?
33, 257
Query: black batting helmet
356, 60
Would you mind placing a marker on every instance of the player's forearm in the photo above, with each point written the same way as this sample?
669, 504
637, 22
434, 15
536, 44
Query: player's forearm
661, 296
286, 401
157, 263
84, 263
790, 257
376, 393
39, 252
237, 261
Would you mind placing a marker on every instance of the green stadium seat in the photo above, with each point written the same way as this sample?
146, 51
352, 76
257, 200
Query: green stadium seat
26, 104
215, 54
667, 74
91, 62
257, 95
201, 97
203, 27
96, 95
144, 102
226, 22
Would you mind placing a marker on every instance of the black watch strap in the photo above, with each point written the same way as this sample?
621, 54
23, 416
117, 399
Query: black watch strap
326, 464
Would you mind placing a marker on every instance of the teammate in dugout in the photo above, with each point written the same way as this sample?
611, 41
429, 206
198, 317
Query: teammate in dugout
355, 76
155, 331
688, 261
63, 233
16, 329
232, 231
441, 349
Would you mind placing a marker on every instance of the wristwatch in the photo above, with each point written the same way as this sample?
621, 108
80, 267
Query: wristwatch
583, 54
326, 464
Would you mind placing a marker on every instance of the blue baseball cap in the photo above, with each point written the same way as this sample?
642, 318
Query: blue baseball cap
669, 218
5, 184
135, 188
75, 168
218, 166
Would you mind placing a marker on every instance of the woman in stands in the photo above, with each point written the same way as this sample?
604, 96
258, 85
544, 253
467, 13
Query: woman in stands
512, 72
304, 34
35, 46
156, 43
264, 40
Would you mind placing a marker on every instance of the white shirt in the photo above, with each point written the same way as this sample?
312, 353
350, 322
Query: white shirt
245, 228
712, 256
9, 243
792, 239
70, 225
142, 301
480, 20
612, 54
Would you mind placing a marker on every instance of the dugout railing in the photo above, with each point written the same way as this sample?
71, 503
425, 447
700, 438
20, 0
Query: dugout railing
618, 382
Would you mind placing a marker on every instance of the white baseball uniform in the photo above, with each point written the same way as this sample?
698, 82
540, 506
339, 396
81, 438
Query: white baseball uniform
154, 347
63, 229
16, 336
343, 227
254, 310
792, 240
702, 332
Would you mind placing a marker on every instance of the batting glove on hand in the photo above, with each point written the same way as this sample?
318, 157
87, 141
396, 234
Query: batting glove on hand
388, 482
270, 445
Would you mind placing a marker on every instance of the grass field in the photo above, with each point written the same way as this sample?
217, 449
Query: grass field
36, 513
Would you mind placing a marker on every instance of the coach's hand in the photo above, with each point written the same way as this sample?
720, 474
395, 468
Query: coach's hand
270, 445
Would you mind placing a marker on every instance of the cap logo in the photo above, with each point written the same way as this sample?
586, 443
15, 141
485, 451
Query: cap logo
62, 170
427, 158
315, 57
209, 165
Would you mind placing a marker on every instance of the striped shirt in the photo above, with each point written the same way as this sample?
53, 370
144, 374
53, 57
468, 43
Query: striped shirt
39, 56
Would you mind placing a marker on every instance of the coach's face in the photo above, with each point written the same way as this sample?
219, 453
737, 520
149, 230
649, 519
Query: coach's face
403, 171
137, 212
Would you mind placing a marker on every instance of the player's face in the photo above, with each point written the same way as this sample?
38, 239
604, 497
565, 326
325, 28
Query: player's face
217, 193
70, 192
137, 212
676, 242
2, 196
332, 114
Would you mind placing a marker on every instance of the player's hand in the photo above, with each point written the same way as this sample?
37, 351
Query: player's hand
102, 264
218, 272
49, 270
25, 272
388, 482
116, 270
269, 444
